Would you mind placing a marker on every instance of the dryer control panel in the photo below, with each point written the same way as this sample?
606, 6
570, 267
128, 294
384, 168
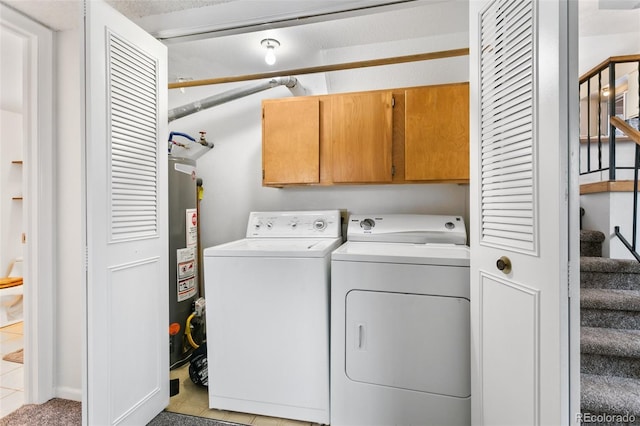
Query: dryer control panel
291, 224
407, 228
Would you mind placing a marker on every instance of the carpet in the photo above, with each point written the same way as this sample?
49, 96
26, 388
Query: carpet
167, 418
55, 412
16, 356
62, 412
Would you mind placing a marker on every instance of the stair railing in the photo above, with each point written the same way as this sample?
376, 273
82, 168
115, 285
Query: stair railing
612, 85
634, 134
610, 108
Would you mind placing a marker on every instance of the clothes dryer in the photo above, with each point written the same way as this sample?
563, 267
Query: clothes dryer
400, 348
268, 316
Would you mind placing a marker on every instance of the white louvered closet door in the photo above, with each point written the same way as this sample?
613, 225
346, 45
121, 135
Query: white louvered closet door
127, 358
519, 83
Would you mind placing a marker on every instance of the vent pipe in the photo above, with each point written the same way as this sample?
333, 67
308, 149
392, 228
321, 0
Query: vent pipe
230, 95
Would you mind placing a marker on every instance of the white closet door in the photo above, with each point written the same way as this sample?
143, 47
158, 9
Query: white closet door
126, 181
519, 80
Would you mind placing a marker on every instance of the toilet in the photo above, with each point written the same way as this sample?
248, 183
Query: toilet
11, 295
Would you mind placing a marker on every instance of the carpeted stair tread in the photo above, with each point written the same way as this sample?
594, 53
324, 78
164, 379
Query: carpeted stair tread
609, 394
607, 365
599, 272
604, 264
591, 243
591, 236
610, 299
609, 318
609, 341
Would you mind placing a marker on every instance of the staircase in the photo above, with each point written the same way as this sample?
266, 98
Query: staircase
610, 335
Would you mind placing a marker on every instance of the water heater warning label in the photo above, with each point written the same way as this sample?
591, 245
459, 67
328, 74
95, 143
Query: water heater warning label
186, 289
192, 227
186, 259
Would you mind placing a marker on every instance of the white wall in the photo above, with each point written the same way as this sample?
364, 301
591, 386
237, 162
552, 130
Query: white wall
604, 211
595, 49
231, 172
69, 245
11, 71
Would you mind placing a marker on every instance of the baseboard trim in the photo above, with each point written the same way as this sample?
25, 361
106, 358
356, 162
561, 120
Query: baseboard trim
69, 393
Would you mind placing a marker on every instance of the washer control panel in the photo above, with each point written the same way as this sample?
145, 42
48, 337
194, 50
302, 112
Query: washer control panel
323, 223
407, 228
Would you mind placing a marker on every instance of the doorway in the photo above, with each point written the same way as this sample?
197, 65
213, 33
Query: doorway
30, 96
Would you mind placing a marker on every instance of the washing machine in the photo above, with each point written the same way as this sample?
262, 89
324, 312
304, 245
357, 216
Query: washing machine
268, 316
400, 343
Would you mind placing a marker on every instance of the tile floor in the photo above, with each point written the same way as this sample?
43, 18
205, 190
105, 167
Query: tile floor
194, 400
11, 373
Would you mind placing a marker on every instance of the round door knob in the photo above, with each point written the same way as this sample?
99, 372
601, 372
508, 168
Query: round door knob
504, 264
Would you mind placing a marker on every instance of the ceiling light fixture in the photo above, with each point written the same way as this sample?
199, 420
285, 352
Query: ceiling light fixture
270, 44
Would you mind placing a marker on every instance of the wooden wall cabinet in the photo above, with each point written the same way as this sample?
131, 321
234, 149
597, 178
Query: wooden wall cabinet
291, 141
408, 135
436, 144
361, 137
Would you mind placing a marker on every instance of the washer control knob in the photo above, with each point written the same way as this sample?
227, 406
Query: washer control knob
367, 224
293, 225
319, 224
269, 225
257, 226
449, 225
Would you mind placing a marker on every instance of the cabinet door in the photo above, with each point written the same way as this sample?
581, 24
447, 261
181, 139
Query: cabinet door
291, 141
361, 129
437, 133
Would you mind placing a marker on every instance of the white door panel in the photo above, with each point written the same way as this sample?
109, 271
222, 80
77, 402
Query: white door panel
512, 326
126, 177
519, 80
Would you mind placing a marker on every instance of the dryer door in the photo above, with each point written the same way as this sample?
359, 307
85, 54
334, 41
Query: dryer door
408, 341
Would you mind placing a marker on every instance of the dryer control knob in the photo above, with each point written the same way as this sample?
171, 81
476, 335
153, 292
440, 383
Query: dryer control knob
367, 224
319, 224
449, 225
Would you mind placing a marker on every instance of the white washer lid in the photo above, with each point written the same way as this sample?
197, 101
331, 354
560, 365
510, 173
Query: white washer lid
421, 254
275, 247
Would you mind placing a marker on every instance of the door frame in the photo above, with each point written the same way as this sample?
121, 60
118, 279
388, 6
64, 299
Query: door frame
39, 213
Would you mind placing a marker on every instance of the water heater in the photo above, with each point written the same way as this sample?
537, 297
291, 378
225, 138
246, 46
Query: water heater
183, 252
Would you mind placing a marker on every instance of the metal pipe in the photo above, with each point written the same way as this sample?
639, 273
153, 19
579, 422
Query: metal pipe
230, 95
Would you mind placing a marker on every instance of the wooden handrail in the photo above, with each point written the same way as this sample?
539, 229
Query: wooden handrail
326, 68
633, 134
604, 64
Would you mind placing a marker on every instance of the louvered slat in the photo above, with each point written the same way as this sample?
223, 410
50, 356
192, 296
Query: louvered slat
507, 125
133, 129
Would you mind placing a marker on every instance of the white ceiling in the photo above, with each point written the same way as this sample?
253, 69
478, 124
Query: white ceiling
596, 16
239, 26
308, 45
